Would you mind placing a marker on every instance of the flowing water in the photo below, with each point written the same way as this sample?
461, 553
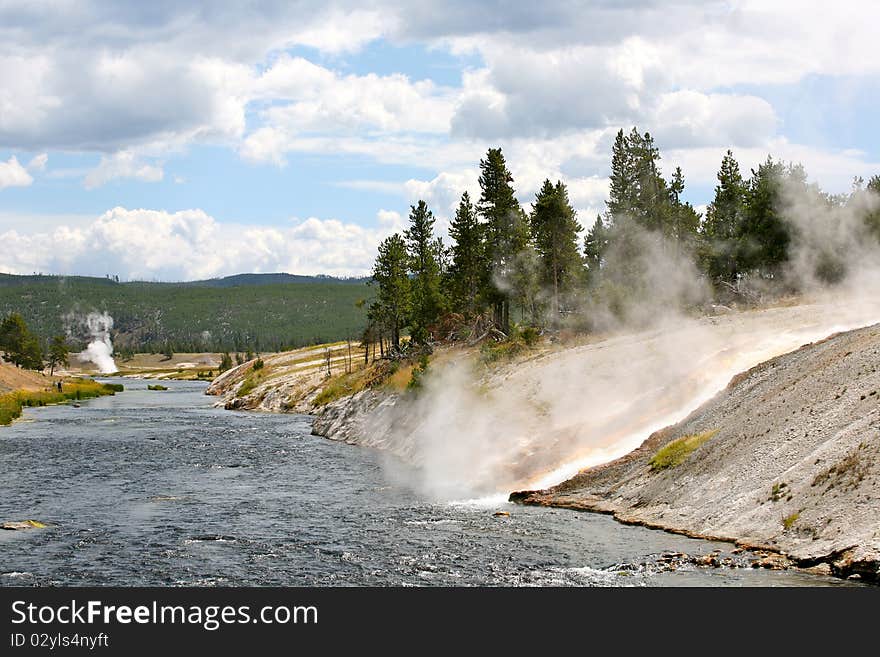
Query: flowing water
159, 488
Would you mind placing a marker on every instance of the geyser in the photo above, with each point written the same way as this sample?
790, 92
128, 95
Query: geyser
100, 348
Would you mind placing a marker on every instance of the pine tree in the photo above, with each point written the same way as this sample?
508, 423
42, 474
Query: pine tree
872, 217
554, 230
19, 345
468, 267
621, 198
682, 224
723, 218
502, 215
58, 353
393, 301
763, 236
424, 265
595, 246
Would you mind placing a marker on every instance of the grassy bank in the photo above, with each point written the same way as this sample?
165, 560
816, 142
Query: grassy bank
11, 403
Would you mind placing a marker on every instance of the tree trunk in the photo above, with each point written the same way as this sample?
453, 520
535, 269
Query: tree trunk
555, 297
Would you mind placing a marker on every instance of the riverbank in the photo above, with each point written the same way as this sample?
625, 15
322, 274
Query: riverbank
21, 388
531, 422
786, 458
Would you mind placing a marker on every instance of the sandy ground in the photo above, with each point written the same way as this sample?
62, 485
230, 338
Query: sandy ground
14, 378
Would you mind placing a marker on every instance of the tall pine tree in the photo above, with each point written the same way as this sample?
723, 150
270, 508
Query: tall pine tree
468, 267
424, 266
392, 306
505, 238
763, 236
723, 218
554, 231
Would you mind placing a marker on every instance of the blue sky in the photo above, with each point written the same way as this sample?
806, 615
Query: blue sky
196, 139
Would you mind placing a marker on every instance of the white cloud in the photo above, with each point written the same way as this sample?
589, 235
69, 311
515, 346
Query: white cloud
12, 174
551, 84
190, 244
38, 162
833, 169
124, 164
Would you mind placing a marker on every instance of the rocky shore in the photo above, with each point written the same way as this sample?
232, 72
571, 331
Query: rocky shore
786, 459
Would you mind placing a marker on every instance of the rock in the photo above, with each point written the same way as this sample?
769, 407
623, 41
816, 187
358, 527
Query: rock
823, 569
23, 524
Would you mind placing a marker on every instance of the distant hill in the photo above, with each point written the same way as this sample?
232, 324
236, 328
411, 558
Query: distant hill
263, 312
267, 279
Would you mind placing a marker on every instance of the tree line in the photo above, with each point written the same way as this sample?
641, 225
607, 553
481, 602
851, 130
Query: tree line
504, 260
24, 349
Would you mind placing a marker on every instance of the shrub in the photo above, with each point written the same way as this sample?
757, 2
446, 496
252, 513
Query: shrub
677, 451
418, 373
258, 364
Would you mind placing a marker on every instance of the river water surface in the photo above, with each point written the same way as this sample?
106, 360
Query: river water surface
159, 488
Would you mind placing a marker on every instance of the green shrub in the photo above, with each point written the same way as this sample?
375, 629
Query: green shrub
418, 373
677, 451
788, 521
156, 386
258, 364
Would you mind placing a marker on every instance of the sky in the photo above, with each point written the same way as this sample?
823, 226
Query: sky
181, 140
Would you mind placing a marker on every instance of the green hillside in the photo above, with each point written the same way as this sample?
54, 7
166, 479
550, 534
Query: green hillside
237, 313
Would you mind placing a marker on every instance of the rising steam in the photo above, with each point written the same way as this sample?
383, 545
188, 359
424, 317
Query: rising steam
537, 423
96, 328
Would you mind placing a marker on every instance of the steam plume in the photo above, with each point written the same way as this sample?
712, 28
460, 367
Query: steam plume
537, 423
100, 348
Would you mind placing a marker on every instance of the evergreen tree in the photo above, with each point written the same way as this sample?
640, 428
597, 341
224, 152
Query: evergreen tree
225, 362
595, 246
468, 267
393, 301
19, 345
58, 353
723, 218
683, 223
554, 230
622, 195
505, 238
763, 236
424, 265
872, 218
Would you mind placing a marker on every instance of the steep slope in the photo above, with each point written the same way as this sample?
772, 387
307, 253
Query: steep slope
789, 460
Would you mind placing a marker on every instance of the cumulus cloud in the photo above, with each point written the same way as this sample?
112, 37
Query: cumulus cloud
12, 174
550, 83
124, 164
190, 244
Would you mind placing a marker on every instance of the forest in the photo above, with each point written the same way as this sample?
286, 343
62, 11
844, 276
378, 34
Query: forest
267, 312
510, 272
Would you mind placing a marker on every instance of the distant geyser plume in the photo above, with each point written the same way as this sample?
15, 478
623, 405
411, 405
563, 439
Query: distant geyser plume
100, 348
538, 423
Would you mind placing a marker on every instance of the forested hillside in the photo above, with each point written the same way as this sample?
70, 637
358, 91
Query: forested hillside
235, 314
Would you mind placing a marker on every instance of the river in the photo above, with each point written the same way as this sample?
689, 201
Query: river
159, 488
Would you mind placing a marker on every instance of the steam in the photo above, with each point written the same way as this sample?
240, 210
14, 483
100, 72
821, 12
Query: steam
537, 423
100, 348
